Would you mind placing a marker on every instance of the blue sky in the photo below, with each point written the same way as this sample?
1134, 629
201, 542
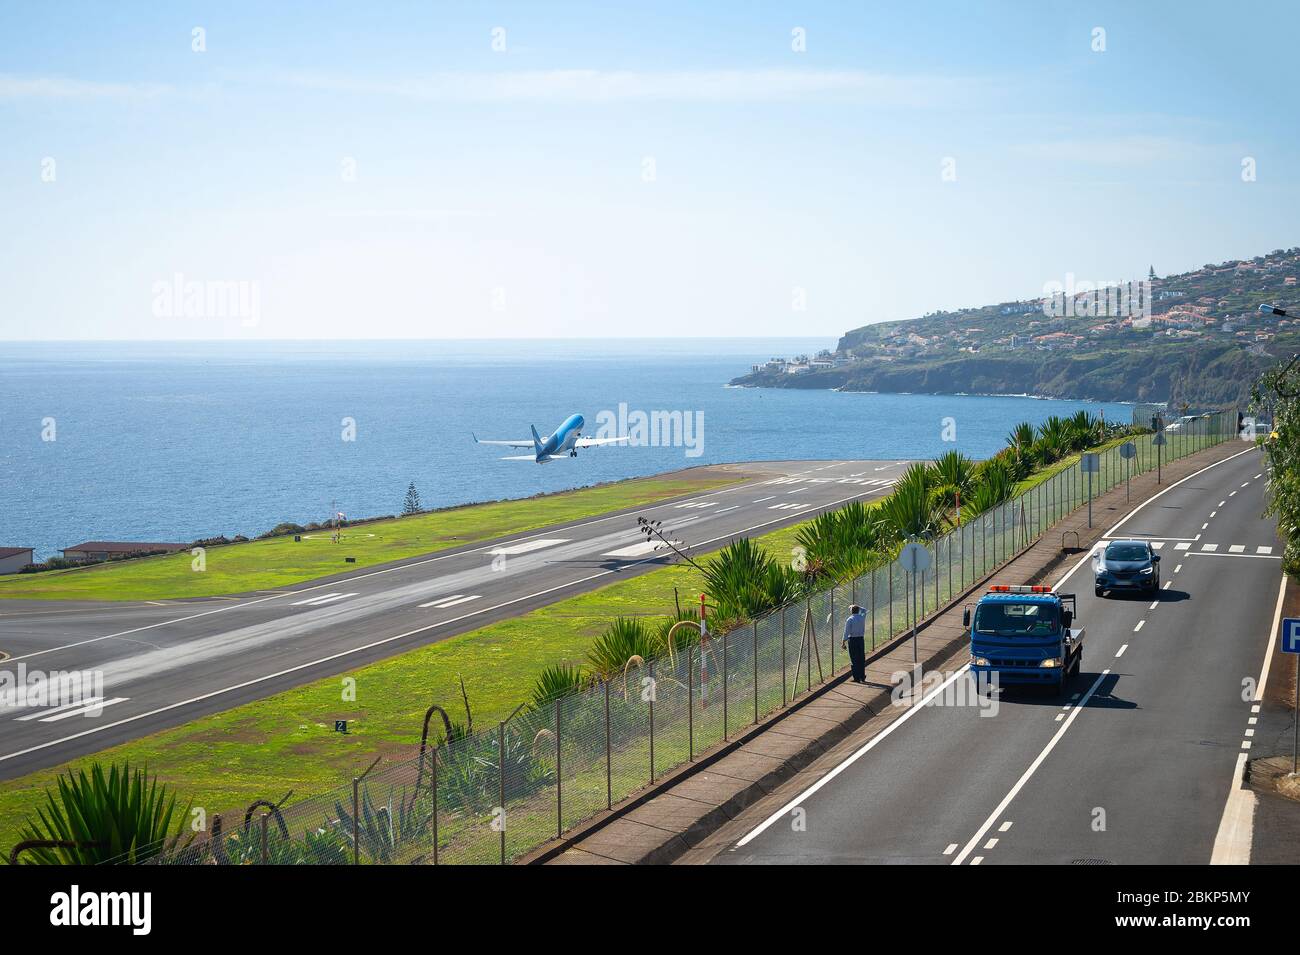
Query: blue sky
387, 173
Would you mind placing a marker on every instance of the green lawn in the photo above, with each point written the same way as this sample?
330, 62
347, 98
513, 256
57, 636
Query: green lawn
286, 741
280, 561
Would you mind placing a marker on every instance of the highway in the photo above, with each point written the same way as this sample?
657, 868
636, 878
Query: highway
1133, 764
164, 663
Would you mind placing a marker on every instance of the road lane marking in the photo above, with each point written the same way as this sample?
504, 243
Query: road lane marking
1120, 652
1178, 568
91, 710
1139, 626
977, 860
637, 550
861, 751
1249, 556
1005, 826
1183, 546
1028, 773
1215, 464
1263, 550
1236, 548
952, 847
312, 600
991, 843
528, 546
40, 714
452, 601
1232, 841
1209, 548
383, 641
762, 499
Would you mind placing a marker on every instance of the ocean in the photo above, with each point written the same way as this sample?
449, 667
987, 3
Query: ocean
170, 441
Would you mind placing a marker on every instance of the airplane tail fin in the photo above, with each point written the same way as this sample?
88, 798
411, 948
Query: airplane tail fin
537, 439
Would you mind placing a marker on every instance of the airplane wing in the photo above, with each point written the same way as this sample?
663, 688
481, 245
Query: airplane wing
522, 443
533, 457
593, 442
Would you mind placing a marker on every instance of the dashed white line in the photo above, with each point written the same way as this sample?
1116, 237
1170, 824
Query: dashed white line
1120, 652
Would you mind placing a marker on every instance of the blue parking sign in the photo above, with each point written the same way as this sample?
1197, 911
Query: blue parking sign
1291, 635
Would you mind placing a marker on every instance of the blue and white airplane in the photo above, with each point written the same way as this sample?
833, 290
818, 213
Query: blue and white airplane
564, 442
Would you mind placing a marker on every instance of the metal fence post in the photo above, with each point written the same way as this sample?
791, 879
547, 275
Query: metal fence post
559, 777
435, 804
891, 601
609, 756
724, 685
755, 671
873, 608
652, 721
832, 623
783, 668
690, 703
501, 772
265, 817
356, 824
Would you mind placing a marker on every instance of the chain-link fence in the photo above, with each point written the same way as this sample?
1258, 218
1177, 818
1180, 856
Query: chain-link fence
495, 794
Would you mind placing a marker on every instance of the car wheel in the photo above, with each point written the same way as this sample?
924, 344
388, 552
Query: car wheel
1099, 591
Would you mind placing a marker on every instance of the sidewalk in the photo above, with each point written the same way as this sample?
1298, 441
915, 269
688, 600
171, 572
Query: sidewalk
674, 819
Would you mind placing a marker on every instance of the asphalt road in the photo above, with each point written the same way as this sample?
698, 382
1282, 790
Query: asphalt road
1132, 765
166, 663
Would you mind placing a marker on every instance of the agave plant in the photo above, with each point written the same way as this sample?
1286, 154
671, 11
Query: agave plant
385, 831
123, 816
625, 638
951, 474
911, 510
1054, 440
1086, 429
557, 681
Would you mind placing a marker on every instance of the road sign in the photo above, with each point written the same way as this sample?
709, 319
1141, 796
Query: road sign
340, 726
914, 558
1090, 463
1291, 635
1159, 439
1128, 450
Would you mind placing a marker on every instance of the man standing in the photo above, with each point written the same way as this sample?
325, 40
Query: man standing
855, 630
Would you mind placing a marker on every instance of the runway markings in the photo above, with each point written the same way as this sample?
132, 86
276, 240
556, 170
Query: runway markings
528, 546
952, 847
1120, 652
1005, 826
762, 499
1236, 548
696, 504
788, 506
442, 603
1139, 626
91, 706
636, 550
1209, 548
1263, 550
1182, 545
322, 599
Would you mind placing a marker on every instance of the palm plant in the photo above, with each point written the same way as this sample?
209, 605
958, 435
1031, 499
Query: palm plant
739, 576
120, 816
951, 473
1054, 439
842, 543
1086, 429
911, 511
994, 484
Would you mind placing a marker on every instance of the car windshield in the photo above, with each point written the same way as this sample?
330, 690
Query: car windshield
1016, 619
1126, 552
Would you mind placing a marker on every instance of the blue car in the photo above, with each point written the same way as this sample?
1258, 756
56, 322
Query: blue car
1126, 565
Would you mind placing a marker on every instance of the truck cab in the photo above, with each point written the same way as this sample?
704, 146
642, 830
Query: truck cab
1025, 635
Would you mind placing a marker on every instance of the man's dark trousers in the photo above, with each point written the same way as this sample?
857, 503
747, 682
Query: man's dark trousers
858, 657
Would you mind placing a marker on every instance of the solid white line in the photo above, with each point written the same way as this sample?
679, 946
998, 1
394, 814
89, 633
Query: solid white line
1252, 556
1033, 767
460, 600
1232, 841
368, 646
91, 710
858, 754
1156, 496
528, 546
40, 714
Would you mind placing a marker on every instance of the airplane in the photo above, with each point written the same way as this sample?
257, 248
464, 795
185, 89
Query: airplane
564, 442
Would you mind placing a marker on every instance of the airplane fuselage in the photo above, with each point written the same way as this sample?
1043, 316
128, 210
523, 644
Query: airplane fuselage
562, 439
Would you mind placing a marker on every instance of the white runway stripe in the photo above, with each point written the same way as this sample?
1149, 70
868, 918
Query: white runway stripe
636, 550
91, 709
527, 546
444, 602
42, 713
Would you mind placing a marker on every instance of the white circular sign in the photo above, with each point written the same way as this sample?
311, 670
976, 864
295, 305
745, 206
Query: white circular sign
914, 558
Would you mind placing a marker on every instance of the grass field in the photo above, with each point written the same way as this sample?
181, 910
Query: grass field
286, 741
280, 561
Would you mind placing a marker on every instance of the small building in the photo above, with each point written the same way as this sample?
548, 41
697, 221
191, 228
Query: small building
107, 550
14, 559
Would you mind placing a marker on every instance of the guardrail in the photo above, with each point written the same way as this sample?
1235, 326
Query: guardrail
493, 795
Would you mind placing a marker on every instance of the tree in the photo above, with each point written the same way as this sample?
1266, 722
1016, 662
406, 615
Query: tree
412, 503
1152, 273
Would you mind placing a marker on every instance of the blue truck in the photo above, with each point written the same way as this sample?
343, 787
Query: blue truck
1025, 635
